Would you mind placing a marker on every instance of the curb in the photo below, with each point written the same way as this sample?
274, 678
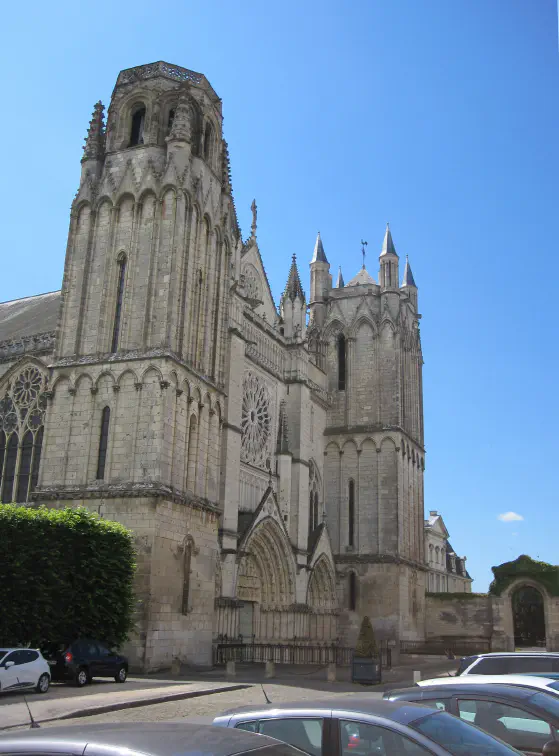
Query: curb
106, 708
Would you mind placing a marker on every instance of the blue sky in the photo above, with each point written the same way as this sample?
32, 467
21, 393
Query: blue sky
440, 116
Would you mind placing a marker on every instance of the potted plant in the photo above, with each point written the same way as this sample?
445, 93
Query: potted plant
366, 666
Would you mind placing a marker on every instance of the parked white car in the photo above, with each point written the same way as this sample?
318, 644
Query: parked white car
547, 684
509, 663
23, 668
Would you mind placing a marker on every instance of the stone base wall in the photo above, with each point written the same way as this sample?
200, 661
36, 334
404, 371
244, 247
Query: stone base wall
169, 536
459, 619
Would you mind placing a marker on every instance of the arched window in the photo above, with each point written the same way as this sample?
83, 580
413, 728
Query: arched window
22, 411
316, 509
118, 307
192, 454
137, 127
351, 512
103, 443
208, 142
352, 591
24, 475
186, 576
9, 469
341, 362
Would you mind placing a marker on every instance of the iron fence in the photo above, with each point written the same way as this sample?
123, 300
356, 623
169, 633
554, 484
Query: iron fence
251, 652
446, 646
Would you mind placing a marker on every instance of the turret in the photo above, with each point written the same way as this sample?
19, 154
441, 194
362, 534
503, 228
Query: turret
340, 279
293, 305
408, 284
321, 282
388, 277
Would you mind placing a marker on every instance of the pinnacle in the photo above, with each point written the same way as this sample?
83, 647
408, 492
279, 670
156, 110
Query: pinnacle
340, 280
318, 255
388, 247
293, 287
408, 275
95, 140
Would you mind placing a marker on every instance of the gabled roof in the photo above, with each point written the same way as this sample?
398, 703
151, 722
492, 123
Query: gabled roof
318, 254
362, 278
29, 316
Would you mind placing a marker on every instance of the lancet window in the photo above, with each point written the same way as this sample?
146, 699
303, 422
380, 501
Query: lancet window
351, 512
22, 413
341, 362
137, 126
103, 443
118, 306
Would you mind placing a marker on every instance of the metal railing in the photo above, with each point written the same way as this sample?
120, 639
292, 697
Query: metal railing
290, 653
446, 646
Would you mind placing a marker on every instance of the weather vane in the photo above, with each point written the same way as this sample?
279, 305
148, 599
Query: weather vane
363, 245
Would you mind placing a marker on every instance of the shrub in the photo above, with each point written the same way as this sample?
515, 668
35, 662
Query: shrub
65, 573
525, 566
366, 643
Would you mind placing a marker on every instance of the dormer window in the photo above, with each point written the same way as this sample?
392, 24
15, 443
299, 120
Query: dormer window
137, 127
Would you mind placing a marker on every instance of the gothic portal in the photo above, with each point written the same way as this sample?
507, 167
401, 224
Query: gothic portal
270, 462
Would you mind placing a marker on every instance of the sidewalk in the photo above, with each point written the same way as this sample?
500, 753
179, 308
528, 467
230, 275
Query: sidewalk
45, 710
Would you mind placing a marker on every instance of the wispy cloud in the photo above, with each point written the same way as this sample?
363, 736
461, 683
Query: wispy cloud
509, 517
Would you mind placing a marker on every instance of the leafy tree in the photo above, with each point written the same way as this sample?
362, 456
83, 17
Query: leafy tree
66, 573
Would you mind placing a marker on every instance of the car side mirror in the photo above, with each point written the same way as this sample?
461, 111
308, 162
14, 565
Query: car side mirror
9, 664
551, 748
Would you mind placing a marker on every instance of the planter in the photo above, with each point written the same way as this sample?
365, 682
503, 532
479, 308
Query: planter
366, 670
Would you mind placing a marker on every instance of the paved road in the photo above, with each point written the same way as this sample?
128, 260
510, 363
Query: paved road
210, 706
65, 690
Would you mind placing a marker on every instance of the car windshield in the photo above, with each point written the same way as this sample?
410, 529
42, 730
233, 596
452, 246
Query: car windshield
554, 685
460, 738
548, 701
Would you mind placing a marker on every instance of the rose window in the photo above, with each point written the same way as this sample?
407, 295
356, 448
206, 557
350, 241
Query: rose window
255, 420
27, 386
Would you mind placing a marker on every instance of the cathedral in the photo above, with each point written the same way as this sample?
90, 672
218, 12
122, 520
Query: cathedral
269, 460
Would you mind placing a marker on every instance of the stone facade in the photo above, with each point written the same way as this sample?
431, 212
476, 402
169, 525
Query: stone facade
447, 571
271, 468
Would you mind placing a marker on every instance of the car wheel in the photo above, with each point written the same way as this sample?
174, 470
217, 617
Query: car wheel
121, 675
43, 684
82, 677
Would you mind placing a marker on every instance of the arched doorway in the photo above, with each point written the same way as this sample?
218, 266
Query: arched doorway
528, 617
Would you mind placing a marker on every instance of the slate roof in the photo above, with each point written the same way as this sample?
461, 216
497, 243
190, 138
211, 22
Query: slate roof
362, 278
318, 255
29, 316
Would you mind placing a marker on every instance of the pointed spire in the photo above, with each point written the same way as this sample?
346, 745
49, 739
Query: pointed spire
283, 430
340, 280
181, 128
408, 275
95, 139
293, 287
318, 255
388, 247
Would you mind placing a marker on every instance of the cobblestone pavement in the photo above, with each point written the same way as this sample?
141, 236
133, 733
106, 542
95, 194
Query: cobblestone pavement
206, 706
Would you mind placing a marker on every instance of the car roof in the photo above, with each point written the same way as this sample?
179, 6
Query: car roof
359, 703
487, 689
512, 653
160, 738
530, 681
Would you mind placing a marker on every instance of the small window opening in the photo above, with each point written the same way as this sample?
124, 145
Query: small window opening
24, 468
103, 443
351, 512
137, 128
118, 308
341, 362
352, 591
170, 121
207, 142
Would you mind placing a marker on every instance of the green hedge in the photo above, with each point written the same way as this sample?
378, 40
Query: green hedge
64, 573
525, 566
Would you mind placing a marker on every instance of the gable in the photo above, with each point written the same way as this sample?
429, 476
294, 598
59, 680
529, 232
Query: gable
256, 282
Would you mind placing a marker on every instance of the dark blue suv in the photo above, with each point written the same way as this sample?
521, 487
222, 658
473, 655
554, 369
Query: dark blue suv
82, 660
